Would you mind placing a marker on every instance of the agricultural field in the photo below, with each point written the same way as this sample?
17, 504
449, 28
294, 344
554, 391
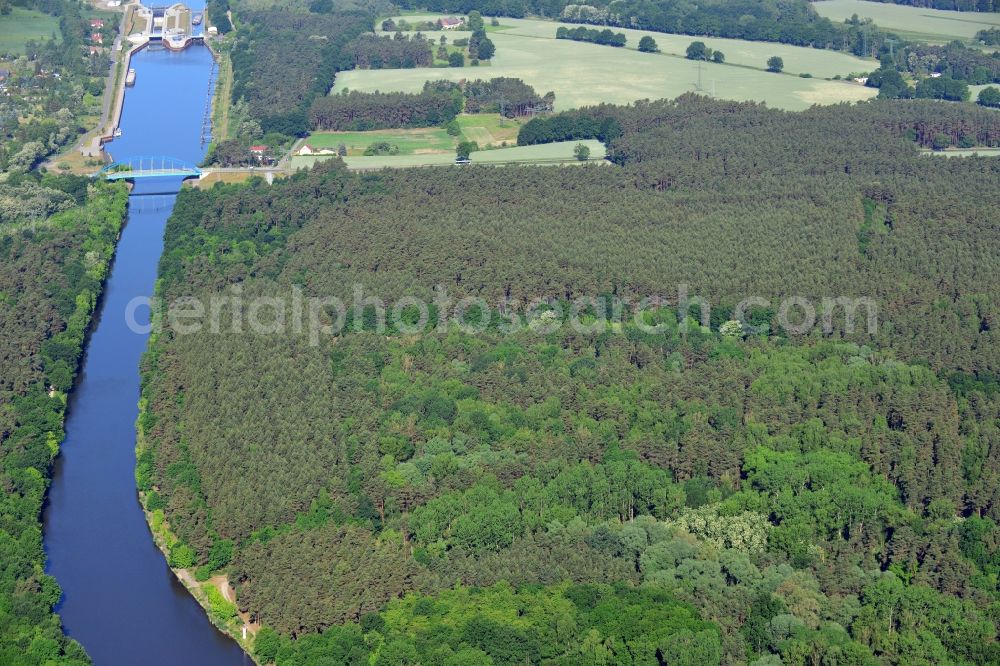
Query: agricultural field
486, 129
23, 25
549, 153
798, 60
918, 23
582, 74
409, 141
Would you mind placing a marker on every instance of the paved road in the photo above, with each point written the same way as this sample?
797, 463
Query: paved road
260, 171
109, 83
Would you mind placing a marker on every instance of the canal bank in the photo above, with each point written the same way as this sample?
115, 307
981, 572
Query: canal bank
120, 600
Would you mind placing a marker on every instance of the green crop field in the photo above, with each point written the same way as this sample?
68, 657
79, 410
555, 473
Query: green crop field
486, 128
483, 128
23, 25
912, 22
582, 74
409, 141
549, 153
798, 60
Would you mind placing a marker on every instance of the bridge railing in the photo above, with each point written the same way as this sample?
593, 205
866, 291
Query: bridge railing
147, 167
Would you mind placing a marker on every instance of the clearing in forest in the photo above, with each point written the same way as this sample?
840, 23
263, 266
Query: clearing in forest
408, 141
549, 153
486, 129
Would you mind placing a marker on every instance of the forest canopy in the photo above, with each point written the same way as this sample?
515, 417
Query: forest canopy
52, 268
283, 60
829, 495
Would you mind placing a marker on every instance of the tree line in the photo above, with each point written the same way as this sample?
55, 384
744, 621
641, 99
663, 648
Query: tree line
506, 95
395, 52
358, 111
605, 37
437, 104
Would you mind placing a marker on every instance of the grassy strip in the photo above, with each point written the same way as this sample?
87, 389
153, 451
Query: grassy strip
221, 101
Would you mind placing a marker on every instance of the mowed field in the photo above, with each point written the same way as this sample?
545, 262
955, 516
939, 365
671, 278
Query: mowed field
583, 74
972, 152
549, 153
798, 60
409, 141
23, 25
933, 25
486, 129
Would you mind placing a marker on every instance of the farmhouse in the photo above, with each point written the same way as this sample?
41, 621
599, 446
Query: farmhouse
260, 155
306, 149
96, 38
451, 23
96, 24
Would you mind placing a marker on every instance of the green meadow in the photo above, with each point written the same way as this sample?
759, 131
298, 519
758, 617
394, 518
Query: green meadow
486, 129
549, 153
971, 152
582, 74
798, 60
409, 141
919, 23
23, 25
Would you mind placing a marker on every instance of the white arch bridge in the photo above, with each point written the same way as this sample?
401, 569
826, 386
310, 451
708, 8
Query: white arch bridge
157, 166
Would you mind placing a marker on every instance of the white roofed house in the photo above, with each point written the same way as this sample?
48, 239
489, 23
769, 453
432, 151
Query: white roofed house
306, 149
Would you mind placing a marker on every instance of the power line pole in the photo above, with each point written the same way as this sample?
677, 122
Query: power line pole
892, 52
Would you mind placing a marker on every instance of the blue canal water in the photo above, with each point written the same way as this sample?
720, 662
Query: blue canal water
119, 598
